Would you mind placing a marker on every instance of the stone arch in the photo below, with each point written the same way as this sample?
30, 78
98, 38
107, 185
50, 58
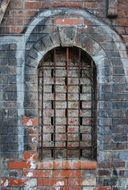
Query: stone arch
50, 41
94, 29
94, 37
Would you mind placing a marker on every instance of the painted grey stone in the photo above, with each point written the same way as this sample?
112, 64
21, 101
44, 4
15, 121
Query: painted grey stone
67, 35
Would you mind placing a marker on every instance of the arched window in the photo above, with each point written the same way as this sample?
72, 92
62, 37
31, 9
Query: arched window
67, 105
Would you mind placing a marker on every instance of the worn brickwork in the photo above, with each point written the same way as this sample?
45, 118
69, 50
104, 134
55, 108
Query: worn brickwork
8, 98
28, 31
20, 13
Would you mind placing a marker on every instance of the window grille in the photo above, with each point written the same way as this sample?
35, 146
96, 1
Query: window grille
67, 105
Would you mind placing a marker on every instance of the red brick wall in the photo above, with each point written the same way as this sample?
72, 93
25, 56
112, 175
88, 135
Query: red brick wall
20, 13
71, 174
54, 174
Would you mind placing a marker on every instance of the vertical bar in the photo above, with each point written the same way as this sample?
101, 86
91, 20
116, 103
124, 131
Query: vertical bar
42, 110
54, 75
79, 75
92, 108
39, 113
67, 57
91, 79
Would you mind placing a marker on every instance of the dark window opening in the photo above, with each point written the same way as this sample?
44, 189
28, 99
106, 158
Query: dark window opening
67, 105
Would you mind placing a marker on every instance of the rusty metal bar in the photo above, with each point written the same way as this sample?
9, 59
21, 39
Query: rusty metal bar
94, 136
79, 75
54, 135
93, 87
92, 90
67, 57
42, 110
39, 111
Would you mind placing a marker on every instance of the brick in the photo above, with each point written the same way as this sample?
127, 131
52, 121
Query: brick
60, 129
69, 21
74, 164
67, 173
39, 173
66, 164
105, 164
27, 121
73, 121
73, 137
30, 155
45, 165
18, 165
119, 163
72, 129
74, 181
70, 4
86, 121
102, 188
104, 172
33, 5
51, 182
17, 182
60, 137
88, 165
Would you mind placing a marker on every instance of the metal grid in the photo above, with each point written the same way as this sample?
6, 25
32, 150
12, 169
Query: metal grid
67, 105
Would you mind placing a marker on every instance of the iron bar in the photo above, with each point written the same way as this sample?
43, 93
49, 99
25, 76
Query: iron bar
67, 110
42, 110
54, 136
79, 116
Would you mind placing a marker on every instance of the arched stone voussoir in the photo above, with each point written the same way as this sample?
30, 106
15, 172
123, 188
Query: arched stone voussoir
46, 42
40, 48
94, 50
101, 60
88, 44
30, 62
32, 57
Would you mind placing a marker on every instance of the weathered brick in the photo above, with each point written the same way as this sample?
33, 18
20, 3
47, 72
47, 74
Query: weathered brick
27, 121
17, 182
69, 21
102, 188
67, 173
111, 94
39, 173
18, 165
52, 181
74, 181
104, 172
30, 155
